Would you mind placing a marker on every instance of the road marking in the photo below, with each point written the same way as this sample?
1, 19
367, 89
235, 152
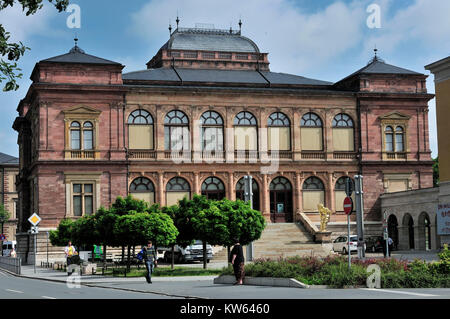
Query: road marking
47, 297
401, 292
16, 291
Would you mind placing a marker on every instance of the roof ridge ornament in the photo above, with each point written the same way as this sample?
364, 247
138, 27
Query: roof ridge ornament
375, 58
76, 48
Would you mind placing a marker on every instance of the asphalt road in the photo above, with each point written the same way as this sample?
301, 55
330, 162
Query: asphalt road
12, 287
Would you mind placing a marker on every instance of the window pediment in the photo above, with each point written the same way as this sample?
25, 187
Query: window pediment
81, 112
394, 116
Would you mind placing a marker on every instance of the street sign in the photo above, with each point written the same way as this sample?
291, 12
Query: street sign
348, 186
34, 230
348, 205
2, 237
34, 219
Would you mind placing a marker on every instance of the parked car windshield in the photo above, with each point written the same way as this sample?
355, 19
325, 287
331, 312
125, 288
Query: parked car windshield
353, 238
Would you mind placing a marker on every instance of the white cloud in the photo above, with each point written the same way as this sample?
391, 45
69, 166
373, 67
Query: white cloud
22, 27
296, 41
423, 23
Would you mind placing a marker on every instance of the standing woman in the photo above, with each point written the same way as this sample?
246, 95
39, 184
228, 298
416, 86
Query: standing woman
237, 260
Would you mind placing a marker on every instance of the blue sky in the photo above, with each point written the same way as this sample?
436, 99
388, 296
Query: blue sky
320, 39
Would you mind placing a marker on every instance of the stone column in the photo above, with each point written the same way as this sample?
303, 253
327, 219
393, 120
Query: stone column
161, 190
265, 194
298, 196
231, 186
197, 189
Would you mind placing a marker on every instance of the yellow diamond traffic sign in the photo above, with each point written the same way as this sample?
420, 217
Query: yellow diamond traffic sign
34, 219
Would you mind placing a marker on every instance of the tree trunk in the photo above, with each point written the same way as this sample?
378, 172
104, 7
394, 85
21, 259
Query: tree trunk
228, 255
204, 254
173, 256
129, 255
123, 253
156, 257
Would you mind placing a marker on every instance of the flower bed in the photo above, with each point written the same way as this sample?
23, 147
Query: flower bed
333, 271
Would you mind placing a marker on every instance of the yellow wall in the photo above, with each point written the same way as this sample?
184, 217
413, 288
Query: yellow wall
443, 118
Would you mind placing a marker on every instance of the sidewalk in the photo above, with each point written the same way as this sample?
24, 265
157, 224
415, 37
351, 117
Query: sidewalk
61, 276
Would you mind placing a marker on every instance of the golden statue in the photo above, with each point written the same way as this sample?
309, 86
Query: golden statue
325, 215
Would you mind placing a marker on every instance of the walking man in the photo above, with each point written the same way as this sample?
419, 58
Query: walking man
149, 256
237, 260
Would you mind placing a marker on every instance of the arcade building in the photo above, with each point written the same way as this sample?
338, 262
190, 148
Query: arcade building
206, 111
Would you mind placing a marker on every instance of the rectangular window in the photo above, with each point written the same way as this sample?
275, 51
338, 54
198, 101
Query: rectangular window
212, 138
75, 139
311, 139
343, 139
83, 199
245, 138
88, 140
389, 143
140, 137
279, 139
399, 143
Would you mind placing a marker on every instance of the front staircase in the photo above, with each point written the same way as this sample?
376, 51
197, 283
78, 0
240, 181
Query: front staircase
287, 240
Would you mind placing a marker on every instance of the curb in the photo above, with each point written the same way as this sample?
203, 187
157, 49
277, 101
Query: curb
262, 281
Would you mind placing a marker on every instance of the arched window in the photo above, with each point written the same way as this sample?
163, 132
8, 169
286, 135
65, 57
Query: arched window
311, 131
340, 195
281, 209
279, 132
389, 139
140, 130
313, 194
245, 132
176, 189
343, 133
142, 188
176, 131
399, 139
213, 188
211, 131
75, 135
240, 192
81, 136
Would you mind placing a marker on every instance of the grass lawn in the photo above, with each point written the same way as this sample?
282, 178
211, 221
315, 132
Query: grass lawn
169, 272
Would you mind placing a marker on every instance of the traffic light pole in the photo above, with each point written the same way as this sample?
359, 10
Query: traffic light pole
248, 197
359, 215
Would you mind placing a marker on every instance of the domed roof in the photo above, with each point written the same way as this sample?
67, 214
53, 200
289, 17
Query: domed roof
210, 40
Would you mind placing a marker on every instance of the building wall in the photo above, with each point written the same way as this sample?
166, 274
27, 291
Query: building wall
416, 205
442, 118
9, 199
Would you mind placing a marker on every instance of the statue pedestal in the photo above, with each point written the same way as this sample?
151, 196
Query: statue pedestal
323, 237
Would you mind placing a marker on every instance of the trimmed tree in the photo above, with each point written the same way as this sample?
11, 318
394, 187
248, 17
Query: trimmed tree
138, 228
181, 221
4, 217
209, 224
85, 233
63, 234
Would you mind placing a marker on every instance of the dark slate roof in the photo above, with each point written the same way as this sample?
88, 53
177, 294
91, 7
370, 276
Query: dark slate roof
209, 40
378, 66
220, 76
77, 55
8, 159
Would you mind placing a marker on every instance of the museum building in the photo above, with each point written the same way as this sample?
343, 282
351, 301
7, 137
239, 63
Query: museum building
205, 112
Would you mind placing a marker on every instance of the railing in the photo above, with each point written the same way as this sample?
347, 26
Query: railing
394, 156
280, 154
11, 264
186, 155
344, 155
244, 154
313, 155
211, 154
134, 154
81, 154
308, 224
